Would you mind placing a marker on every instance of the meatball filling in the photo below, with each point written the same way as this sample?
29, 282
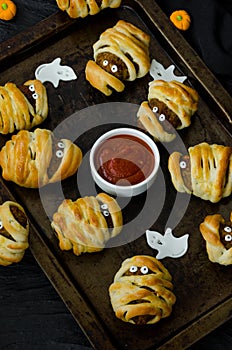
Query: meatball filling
171, 119
99, 3
27, 93
113, 65
6, 234
142, 319
19, 215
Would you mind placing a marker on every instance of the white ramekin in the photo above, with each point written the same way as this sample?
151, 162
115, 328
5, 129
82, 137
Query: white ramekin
124, 191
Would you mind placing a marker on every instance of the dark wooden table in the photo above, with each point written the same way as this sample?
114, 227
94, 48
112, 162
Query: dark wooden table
32, 314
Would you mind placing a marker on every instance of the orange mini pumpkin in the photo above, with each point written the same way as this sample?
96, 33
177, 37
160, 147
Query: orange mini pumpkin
181, 19
7, 9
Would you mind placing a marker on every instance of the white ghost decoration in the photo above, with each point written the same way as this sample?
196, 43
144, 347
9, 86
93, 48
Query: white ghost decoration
167, 245
54, 72
157, 71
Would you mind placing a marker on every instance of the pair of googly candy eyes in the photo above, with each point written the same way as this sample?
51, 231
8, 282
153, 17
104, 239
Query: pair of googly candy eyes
60, 153
162, 117
228, 237
32, 89
105, 211
114, 68
144, 269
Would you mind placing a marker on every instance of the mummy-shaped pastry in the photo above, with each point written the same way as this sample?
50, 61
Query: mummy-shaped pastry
85, 225
22, 107
217, 233
83, 8
121, 54
14, 230
205, 172
142, 291
170, 107
35, 159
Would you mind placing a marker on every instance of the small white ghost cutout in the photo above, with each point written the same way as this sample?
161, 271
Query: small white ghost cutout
157, 71
53, 72
167, 245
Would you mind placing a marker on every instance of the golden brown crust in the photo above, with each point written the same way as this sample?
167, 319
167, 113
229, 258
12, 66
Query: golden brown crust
179, 98
143, 296
13, 235
211, 171
210, 230
81, 226
83, 8
25, 159
130, 45
16, 110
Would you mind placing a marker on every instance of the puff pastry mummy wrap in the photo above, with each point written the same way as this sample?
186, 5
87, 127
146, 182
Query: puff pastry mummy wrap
170, 107
35, 159
141, 292
205, 172
22, 107
14, 230
121, 54
83, 8
217, 233
85, 225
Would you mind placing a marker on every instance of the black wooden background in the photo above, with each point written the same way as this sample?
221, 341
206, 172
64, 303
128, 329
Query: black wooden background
32, 315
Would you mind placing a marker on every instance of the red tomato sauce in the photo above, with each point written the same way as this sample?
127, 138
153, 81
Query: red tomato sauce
124, 160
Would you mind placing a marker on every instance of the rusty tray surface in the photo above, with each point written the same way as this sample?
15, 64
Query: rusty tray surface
203, 289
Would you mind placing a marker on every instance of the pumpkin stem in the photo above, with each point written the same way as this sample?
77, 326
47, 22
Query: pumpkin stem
179, 18
4, 6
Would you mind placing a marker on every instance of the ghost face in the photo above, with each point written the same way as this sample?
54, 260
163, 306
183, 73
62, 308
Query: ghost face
138, 271
226, 234
106, 213
34, 94
58, 154
31, 93
113, 65
165, 116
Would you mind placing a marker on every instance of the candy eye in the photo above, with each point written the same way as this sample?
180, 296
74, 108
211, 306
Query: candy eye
104, 206
31, 88
35, 96
1, 225
144, 270
228, 238
106, 213
133, 269
60, 144
59, 154
114, 68
105, 63
228, 229
183, 164
162, 117
155, 109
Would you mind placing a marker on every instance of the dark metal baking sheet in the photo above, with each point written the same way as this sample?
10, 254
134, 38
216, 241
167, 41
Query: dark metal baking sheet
203, 289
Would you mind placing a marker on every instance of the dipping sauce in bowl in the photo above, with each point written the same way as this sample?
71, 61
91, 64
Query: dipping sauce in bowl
124, 160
